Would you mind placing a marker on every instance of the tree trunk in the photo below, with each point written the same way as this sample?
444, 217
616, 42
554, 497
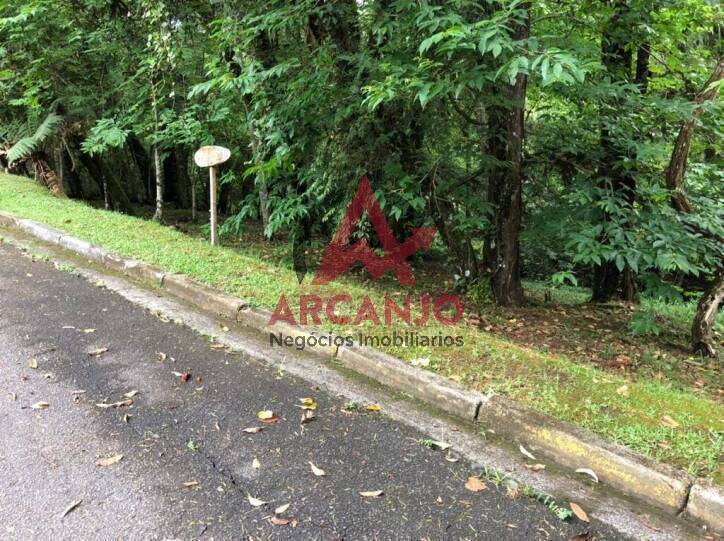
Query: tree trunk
616, 56
702, 340
158, 166
701, 330
505, 190
674, 173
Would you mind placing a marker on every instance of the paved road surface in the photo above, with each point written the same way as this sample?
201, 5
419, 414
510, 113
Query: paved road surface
178, 432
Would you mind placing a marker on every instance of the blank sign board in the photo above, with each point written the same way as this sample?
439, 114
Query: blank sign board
211, 155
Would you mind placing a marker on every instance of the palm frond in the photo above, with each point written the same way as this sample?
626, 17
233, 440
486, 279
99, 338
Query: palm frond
27, 145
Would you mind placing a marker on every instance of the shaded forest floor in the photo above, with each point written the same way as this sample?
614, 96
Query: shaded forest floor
578, 362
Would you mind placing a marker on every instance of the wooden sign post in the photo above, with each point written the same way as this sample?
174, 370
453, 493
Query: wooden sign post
210, 157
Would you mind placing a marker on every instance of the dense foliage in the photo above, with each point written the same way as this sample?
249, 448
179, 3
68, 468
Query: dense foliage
569, 140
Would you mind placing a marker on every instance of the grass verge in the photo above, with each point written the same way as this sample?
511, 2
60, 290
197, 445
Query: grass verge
622, 408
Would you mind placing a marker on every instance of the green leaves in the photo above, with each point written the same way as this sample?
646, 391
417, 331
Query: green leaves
105, 134
27, 145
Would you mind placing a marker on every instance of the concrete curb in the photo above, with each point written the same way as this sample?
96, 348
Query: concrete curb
706, 503
630, 473
570, 447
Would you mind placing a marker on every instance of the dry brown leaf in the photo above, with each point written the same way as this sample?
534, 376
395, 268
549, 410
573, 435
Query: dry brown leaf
281, 509
33, 363
623, 390
319, 472
583, 536
120, 404
252, 429
40, 406
256, 502
371, 494
97, 352
579, 512
668, 421
536, 467
589, 472
162, 357
71, 507
109, 461
217, 346
475, 484
189, 484
131, 394
526, 452
280, 521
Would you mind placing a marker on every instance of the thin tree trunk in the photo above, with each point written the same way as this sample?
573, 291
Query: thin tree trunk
674, 173
505, 193
158, 215
702, 340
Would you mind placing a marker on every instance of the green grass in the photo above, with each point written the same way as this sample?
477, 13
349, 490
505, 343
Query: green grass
567, 386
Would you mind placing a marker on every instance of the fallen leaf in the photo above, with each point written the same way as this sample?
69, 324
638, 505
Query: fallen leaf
89, 331
40, 406
583, 536
162, 357
526, 452
451, 458
579, 512
97, 352
109, 461
255, 463
255, 502
307, 417
126, 417
252, 429
281, 509
536, 467
668, 421
373, 407
71, 507
371, 494
223, 328
265, 414
319, 472
33, 363
280, 521
185, 376
308, 404
120, 404
131, 394
189, 484
589, 472
474, 484
623, 390
440, 445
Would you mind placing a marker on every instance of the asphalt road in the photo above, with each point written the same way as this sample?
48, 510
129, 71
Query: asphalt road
187, 468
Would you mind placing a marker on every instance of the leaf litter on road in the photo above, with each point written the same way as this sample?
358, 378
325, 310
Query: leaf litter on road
73, 506
109, 461
319, 472
475, 484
